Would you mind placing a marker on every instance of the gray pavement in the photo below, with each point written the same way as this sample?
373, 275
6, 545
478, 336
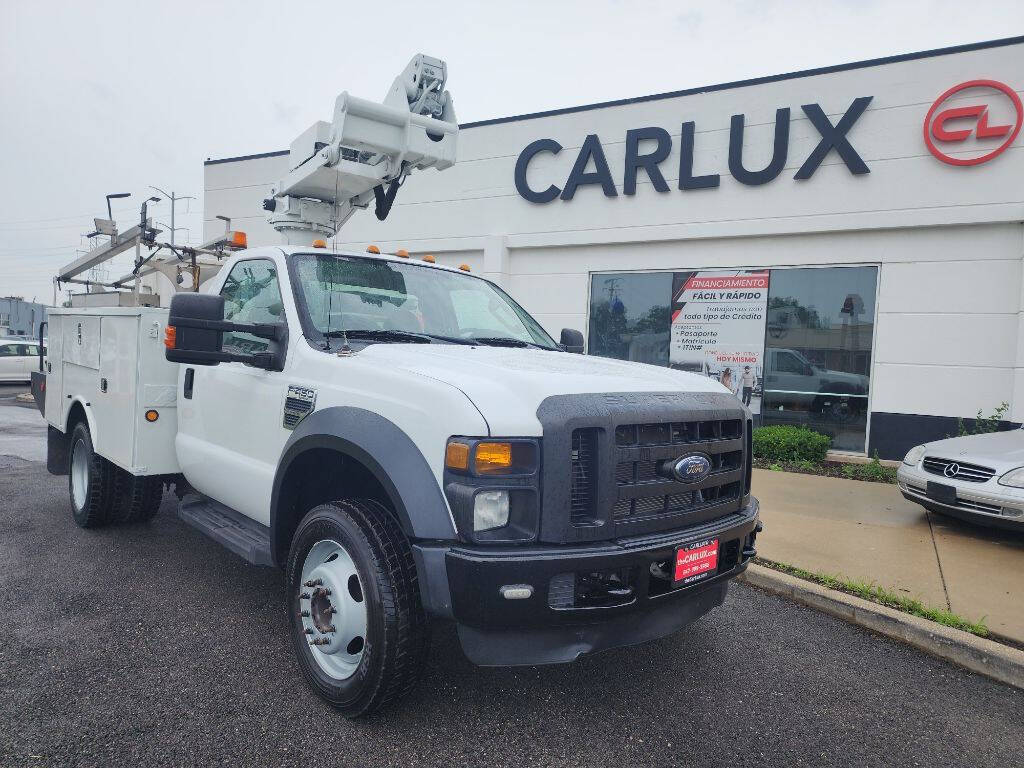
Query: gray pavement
22, 429
152, 645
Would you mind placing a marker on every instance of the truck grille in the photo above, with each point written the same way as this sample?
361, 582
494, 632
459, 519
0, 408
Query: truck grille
958, 470
639, 450
584, 476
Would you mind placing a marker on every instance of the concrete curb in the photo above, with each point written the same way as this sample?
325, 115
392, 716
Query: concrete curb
986, 657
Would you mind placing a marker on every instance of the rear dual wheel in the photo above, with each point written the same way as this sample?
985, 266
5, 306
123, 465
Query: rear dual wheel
358, 626
103, 493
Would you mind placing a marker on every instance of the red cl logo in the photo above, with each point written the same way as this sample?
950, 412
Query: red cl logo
954, 126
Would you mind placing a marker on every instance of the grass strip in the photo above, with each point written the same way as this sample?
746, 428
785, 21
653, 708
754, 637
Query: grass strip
882, 596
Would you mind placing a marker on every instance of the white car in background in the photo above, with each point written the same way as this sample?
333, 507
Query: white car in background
978, 478
18, 358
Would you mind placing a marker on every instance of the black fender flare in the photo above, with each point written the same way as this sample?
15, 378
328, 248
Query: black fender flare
383, 448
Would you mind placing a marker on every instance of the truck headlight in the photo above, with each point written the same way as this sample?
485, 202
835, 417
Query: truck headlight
493, 488
490, 510
914, 455
1014, 478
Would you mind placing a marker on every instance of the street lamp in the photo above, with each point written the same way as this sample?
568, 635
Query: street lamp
174, 199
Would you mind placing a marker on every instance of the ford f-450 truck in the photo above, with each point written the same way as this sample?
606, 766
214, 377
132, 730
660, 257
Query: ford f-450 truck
408, 444
401, 437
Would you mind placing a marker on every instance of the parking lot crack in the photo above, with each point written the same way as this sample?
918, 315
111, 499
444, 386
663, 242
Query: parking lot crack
938, 560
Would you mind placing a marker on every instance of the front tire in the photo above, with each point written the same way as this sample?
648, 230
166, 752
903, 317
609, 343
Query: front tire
357, 623
90, 481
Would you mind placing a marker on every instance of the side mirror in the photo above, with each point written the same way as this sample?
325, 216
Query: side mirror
195, 334
572, 341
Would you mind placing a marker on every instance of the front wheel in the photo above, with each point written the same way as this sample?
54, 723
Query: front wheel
358, 625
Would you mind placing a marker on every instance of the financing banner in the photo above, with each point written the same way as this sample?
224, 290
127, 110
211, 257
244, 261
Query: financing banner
718, 323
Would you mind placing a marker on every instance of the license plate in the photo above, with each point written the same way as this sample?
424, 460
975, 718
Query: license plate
944, 494
695, 562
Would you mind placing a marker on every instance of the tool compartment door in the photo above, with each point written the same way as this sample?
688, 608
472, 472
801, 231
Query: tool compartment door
114, 401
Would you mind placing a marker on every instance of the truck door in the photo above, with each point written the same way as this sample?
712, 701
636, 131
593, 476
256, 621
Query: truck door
230, 432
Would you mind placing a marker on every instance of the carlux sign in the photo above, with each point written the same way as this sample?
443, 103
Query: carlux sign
833, 137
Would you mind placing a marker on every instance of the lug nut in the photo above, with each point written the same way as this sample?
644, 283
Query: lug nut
304, 614
304, 596
308, 631
326, 592
329, 629
319, 641
313, 583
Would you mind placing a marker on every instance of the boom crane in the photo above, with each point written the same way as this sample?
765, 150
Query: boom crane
365, 154
334, 169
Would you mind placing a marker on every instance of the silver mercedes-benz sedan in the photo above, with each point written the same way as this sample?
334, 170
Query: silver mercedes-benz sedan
978, 478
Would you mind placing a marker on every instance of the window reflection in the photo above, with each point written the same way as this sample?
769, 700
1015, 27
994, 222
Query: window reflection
630, 316
818, 337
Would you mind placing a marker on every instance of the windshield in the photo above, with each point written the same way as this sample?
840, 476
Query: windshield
377, 300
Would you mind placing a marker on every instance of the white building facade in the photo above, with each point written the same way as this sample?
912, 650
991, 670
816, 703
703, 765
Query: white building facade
884, 200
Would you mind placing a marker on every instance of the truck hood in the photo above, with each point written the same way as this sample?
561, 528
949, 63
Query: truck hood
1000, 450
508, 384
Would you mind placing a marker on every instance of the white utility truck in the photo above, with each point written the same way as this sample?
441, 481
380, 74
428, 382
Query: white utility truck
402, 437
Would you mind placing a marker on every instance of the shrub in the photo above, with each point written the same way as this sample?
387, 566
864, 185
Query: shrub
984, 424
785, 443
874, 471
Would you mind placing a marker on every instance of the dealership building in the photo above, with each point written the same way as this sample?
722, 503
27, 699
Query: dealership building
877, 205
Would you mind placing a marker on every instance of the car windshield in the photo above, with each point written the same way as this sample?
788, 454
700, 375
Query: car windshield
388, 301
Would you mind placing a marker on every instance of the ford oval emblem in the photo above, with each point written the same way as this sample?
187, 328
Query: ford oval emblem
692, 468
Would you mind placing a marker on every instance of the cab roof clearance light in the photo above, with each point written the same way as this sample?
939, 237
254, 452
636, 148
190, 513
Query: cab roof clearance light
372, 249
464, 267
319, 243
402, 253
429, 258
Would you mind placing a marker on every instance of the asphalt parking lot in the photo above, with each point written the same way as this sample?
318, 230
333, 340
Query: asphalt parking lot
152, 645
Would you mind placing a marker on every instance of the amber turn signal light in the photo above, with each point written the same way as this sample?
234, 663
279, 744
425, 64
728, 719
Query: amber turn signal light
456, 456
170, 336
492, 457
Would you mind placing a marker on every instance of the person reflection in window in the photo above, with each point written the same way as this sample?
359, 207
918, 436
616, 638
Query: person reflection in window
726, 380
748, 379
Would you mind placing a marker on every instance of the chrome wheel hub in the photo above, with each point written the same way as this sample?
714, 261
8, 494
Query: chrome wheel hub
79, 474
332, 609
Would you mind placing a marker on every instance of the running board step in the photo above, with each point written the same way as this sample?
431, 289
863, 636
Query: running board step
243, 536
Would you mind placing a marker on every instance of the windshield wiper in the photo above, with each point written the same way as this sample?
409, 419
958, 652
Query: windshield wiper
380, 334
504, 341
390, 334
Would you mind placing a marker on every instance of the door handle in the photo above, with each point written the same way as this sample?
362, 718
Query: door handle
190, 374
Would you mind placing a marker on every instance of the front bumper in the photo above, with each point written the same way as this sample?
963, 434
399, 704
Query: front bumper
565, 616
986, 503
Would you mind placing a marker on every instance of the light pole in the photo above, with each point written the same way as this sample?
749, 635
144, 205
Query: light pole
174, 199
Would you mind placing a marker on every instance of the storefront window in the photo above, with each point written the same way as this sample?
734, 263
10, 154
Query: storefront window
630, 316
817, 335
818, 351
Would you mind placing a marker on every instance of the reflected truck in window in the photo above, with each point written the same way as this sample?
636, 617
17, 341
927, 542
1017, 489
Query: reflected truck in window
793, 381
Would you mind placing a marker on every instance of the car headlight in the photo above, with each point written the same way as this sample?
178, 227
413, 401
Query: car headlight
1014, 478
914, 455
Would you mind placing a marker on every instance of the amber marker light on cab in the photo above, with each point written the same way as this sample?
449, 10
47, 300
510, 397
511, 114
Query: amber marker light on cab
428, 258
319, 243
372, 249
402, 253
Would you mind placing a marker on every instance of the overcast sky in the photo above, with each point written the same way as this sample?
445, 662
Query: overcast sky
101, 97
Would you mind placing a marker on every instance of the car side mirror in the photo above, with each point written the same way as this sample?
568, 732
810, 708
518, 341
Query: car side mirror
195, 334
572, 341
